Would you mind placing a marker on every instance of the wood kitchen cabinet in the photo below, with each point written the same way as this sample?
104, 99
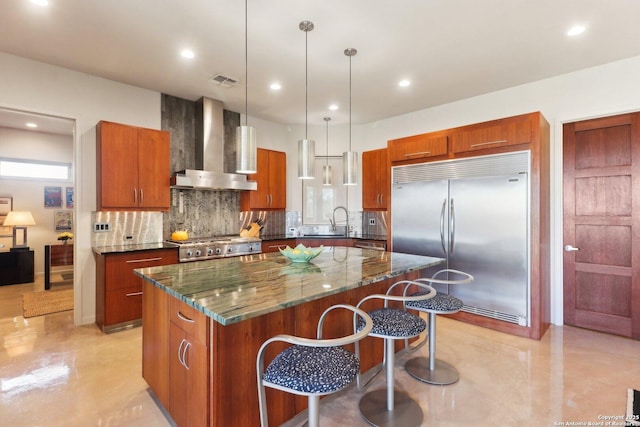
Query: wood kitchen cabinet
133, 169
271, 177
119, 291
175, 356
376, 180
188, 365
418, 147
273, 245
493, 134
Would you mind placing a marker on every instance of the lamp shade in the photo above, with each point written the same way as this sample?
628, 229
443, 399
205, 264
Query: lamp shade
19, 218
350, 168
306, 157
246, 149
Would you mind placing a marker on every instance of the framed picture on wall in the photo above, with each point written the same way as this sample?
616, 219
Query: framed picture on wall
52, 197
63, 220
6, 206
69, 197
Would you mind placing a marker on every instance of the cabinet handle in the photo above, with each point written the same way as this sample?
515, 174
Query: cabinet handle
185, 318
135, 196
133, 294
132, 261
418, 153
180, 351
184, 354
480, 144
141, 196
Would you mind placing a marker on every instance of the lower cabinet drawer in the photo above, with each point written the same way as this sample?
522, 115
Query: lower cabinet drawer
188, 319
124, 305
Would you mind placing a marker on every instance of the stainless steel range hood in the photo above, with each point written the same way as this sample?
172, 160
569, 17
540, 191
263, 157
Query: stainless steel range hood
210, 154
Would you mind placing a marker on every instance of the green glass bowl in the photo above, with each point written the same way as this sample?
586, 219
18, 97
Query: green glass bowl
301, 253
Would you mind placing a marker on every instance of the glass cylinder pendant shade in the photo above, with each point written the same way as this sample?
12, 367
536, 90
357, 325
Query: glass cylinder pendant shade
246, 149
306, 157
326, 175
350, 168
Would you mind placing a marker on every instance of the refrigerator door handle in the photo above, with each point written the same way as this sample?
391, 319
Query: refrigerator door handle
452, 228
444, 204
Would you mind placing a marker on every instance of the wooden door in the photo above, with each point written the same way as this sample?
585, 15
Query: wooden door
602, 224
153, 169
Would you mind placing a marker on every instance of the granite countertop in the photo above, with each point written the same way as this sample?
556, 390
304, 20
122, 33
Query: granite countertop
113, 249
233, 289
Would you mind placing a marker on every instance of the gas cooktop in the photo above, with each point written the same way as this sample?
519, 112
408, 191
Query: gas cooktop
202, 248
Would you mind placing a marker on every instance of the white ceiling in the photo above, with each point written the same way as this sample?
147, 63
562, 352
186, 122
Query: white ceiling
449, 49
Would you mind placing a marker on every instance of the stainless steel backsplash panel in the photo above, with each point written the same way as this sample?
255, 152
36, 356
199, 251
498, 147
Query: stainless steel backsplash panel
126, 228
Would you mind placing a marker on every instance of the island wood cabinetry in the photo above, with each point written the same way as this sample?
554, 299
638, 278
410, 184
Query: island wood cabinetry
376, 180
132, 168
271, 178
219, 386
524, 132
119, 291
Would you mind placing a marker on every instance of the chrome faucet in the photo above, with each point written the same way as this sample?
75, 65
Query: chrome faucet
333, 220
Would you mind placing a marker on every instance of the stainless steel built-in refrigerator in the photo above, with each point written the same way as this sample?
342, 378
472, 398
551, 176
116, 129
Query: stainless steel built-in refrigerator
475, 213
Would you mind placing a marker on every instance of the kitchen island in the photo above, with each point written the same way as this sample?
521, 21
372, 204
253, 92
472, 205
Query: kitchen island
203, 323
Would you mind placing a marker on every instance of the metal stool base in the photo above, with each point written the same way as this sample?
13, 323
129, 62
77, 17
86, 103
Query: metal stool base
443, 374
406, 413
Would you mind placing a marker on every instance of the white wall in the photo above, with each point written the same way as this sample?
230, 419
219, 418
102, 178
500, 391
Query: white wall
28, 194
41, 88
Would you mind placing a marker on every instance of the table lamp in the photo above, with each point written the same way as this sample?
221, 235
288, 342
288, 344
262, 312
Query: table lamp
19, 221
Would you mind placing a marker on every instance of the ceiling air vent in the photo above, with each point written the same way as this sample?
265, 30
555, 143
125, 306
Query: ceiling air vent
224, 81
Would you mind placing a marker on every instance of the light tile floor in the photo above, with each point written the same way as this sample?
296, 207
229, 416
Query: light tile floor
55, 374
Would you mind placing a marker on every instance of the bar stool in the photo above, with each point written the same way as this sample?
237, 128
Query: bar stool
311, 367
431, 370
391, 407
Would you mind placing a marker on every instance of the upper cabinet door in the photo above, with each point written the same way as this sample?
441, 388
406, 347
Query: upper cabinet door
494, 134
415, 147
117, 166
132, 168
376, 180
271, 177
153, 169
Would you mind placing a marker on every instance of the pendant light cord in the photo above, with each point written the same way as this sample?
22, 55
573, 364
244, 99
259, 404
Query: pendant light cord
306, 80
246, 67
350, 102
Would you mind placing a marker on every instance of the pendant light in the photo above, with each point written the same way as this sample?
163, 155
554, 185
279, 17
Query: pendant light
350, 158
306, 147
246, 146
326, 169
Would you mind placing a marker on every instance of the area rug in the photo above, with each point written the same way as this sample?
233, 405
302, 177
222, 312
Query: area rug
46, 302
633, 407
67, 276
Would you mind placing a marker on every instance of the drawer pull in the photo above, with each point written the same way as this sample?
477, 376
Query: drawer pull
185, 318
133, 294
480, 144
132, 261
419, 153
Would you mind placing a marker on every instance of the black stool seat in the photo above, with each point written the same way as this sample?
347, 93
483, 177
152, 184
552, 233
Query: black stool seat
441, 303
392, 322
313, 369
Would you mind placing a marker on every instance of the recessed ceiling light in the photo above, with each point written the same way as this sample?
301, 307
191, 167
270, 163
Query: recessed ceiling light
187, 53
333, 107
32, 125
40, 2
404, 83
275, 86
575, 30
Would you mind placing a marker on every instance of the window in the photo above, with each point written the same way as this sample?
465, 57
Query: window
35, 169
318, 201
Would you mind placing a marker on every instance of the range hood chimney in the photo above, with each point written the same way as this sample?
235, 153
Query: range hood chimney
209, 173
